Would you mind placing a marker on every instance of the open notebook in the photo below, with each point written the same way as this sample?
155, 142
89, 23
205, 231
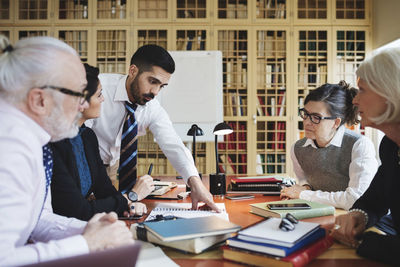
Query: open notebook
183, 210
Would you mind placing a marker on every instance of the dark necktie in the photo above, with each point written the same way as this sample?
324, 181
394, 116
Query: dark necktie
128, 155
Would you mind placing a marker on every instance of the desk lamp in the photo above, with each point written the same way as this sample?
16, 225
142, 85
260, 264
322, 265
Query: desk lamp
217, 180
194, 131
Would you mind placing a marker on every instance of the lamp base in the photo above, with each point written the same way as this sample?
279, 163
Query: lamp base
217, 184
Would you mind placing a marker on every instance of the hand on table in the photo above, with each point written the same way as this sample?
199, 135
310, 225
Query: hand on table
144, 186
293, 191
348, 228
138, 209
104, 231
199, 193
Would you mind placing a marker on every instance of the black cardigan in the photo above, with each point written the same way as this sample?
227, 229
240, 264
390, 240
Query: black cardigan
382, 195
67, 198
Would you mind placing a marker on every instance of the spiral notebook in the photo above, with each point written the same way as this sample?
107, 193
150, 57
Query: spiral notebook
183, 210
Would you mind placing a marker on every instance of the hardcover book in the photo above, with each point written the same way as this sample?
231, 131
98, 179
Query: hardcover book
276, 250
299, 258
193, 245
317, 209
180, 229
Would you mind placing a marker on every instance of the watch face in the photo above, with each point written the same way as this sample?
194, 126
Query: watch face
133, 196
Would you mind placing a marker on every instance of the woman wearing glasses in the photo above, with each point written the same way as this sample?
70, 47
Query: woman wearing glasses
333, 164
379, 106
80, 186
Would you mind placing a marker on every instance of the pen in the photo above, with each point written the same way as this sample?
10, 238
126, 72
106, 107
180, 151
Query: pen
150, 169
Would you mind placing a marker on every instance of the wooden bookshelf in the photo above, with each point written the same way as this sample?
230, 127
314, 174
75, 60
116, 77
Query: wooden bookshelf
274, 53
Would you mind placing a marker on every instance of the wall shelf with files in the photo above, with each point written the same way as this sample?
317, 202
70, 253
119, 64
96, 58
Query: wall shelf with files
271, 9
191, 9
5, 10
74, 10
274, 53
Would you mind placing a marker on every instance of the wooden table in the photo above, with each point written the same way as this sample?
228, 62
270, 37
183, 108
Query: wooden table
239, 213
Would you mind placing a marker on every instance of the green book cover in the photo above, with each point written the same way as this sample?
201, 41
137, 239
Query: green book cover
317, 209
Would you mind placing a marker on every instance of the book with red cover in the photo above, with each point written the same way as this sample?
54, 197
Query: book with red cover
255, 180
256, 184
297, 259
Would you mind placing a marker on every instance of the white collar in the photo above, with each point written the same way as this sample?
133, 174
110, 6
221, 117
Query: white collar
336, 140
120, 94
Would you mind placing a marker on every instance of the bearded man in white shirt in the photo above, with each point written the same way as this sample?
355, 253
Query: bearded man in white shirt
41, 93
150, 70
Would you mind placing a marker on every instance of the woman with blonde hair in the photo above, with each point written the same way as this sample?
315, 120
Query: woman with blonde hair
379, 106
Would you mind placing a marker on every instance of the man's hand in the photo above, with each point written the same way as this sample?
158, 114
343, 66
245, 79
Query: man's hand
136, 208
105, 231
144, 186
200, 193
292, 192
348, 228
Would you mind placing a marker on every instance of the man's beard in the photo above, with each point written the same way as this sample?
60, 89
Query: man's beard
135, 93
58, 127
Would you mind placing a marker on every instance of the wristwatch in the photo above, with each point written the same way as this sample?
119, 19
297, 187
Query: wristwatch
132, 196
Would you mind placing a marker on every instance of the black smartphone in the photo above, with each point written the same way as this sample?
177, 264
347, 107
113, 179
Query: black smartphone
235, 197
291, 206
132, 217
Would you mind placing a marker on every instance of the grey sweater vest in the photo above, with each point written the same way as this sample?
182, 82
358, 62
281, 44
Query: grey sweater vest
327, 168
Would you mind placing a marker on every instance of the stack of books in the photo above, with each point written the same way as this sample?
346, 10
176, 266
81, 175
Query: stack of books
265, 244
190, 235
270, 185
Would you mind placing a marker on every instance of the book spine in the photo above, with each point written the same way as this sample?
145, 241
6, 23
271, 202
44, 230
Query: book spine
310, 213
303, 256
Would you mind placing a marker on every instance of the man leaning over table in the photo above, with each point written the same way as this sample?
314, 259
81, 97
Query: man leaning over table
132, 95
41, 92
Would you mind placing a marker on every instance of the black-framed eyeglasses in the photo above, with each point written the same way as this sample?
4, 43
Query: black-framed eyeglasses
316, 119
288, 223
82, 96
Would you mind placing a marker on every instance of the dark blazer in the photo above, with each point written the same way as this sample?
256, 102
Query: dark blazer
66, 193
382, 195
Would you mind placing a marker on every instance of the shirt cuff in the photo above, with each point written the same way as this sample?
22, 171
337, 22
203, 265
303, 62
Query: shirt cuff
73, 246
306, 195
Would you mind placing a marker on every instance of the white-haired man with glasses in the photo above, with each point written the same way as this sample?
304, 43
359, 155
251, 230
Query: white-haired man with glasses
42, 85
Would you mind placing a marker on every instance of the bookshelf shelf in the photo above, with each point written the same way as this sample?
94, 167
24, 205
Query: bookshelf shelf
274, 53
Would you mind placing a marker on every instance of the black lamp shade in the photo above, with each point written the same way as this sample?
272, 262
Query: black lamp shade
195, 131
222, 129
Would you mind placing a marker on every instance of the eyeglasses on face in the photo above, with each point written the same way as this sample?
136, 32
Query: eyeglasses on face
82, 96
316, 119
288, 223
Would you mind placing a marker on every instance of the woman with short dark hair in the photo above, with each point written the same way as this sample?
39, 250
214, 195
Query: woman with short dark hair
333, 164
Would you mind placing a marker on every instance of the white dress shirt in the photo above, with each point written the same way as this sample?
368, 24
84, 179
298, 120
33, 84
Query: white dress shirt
22, 193
362, 169
108, 127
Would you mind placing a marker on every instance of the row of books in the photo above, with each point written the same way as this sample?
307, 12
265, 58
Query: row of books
111, 67
311, 73
77, 39
111, 9
196, 42
236, 73
235, 140
235, 104
111, 43
232, 164
270, 163
233, 43
71, 9
274, 106
271, 74
271, 9
235, 11
271, 43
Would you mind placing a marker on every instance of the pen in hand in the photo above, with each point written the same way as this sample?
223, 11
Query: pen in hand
150, 169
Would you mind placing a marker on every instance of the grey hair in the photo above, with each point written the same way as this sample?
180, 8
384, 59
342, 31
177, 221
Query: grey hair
30, 63
381, 72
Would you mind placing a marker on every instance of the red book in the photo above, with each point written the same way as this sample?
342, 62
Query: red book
255, 180
297, 259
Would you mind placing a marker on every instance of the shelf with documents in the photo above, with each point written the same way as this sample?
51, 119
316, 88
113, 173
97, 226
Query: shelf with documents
274, 53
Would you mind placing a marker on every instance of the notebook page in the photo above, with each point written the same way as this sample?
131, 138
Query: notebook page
183, 210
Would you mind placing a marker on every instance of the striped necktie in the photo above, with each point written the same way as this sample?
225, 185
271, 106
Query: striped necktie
128, 155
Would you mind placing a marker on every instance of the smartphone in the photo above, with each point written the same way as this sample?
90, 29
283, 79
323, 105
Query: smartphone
235, 197
292, 206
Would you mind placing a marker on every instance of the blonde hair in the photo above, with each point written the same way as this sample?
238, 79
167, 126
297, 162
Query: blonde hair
32, 62
381, 72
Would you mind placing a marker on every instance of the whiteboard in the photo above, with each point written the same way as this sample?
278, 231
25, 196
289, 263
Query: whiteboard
194, 93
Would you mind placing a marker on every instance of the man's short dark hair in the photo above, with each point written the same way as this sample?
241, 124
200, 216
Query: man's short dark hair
148, 56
